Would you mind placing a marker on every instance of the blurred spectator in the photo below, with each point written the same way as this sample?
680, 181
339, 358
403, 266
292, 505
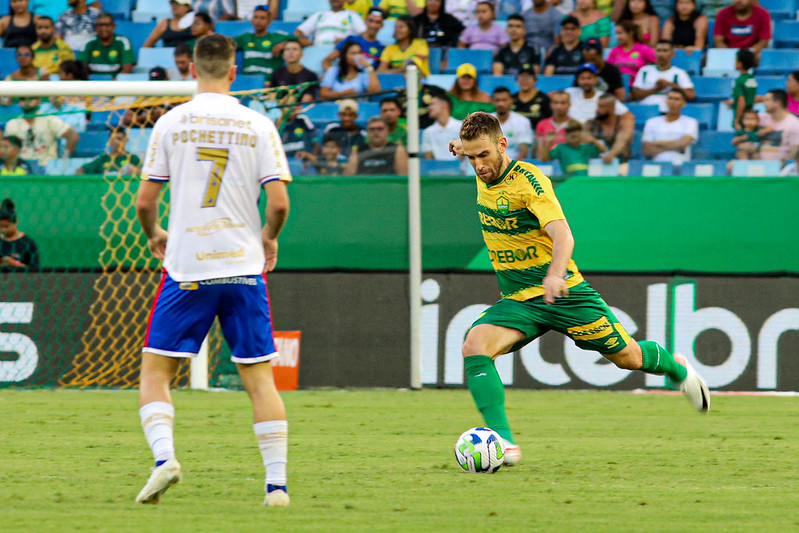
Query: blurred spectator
436, 137
585, 97
262, 48
183, 56
466, 96
72, 70
563, 6
550, 132
176, 30
711, 8
745, 89
49, 51
437, 27
747, 139
17, 250
145, 117
12, 165
70, 110
506, 8
108, 53
541, 22
630, 55
515, 127
529, 102
116, 160
687, 27
664, 8
669, 137
783, 141
378, 156
578, 150
406, 50
326, 28
791, 169
346, 130
353, 75
362, 7
398, 8
517, 54
792, 88
742, 25
609, 75
644, 16
27, 71
566, 57
391, 112
332, 162
201, 26
653, 81
426, 94
485, 34
76, 25
593, 22
40, 134
609, 7
294, 72
217, 9
371, 48
298, 132
615, 131
19, 26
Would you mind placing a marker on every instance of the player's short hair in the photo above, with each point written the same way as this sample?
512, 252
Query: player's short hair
13, 140
779, 95
182, 50
480, 123
500, 90
573, 125
214, 55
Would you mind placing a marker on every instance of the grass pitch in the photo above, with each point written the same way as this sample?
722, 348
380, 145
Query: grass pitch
381, 460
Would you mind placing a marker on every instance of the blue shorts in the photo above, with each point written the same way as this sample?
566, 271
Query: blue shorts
183, 312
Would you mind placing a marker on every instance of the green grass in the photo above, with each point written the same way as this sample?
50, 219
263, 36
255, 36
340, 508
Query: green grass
381, 460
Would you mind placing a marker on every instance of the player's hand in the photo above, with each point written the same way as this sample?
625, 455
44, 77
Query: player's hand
554, 287
270, 251
456, 147
157, 243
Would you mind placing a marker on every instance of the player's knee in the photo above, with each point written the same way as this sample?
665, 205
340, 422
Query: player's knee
473, 345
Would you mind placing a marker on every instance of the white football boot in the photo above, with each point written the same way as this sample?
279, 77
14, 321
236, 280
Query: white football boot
694, 387
513, 453
161, 478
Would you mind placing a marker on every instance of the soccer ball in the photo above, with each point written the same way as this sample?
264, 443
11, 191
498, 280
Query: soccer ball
480, 450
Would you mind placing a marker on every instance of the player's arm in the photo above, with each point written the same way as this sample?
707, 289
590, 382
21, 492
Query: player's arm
277, 211
147, 213
562, 248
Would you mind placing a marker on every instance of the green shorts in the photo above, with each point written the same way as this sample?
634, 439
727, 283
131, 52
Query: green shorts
583, 316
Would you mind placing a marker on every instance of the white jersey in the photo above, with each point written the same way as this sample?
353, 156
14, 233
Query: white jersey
216, 154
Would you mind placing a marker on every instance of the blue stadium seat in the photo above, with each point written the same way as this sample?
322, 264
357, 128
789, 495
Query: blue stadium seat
649, 169
637, 147
766, 83
724, 117
692, 63
133, 76
91, 143
712, 89
298, 10
557, 82
435, 60
391, 81
148, 10
8, 61
720, 62
773, 61
297, 167
549, 168
247, 82
481, 59
119, 8
101, 77
710, 25
596, 167
714, 145
434, 167
155, 57
283, 26
445, 81
786, 34
779, 9
755, 168
233, 28
703, 169
65, 167
312, 57
136, 32
704, 113
489, 83
322, 114
367, 110
137, 140
386, 33
643, 112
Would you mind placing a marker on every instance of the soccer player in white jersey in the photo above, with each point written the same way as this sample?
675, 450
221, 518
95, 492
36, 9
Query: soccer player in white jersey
217, 155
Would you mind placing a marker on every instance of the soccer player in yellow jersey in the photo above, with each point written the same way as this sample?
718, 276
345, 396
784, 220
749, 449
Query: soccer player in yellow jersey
530, 245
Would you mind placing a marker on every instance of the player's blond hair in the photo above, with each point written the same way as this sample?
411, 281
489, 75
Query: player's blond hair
479, 123
214, 55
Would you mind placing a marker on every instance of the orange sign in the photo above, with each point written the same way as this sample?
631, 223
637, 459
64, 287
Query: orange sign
286, 368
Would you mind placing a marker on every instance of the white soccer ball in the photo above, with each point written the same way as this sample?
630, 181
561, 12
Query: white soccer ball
480, 450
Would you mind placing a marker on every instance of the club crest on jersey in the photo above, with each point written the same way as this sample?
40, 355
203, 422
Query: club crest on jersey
503, 205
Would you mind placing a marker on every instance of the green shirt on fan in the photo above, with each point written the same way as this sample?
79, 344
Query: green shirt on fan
105, 163
574, 161
102, 59
258, 55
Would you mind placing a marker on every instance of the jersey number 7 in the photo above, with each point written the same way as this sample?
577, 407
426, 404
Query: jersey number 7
219, 158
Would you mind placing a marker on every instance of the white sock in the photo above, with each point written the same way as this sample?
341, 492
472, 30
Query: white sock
158, 421
272, 438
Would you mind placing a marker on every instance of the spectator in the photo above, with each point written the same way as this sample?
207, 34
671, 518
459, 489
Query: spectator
108, 53
371, 48
400, 8
615, 131
391, 112
332, 162
201, 26
747, 139
176, 30
575, 154
19, 26
406, 50
745, 89
610, 8
783, 141
687, 27
563, 6
27, 71
72, 70
40, 134
465, 94
550, 132
643, 15
183, 56
653, 81
517, 54
329, 27
17, 250
585, 97
436, 137
485, 34
378, 156
71, 110
630, 55
294, 72
117, 160
792, 89
362, 7
566, 57
541, 22
298, 133
49, 51
347, 131
609, 75
664, 8
76, 25
426, 94
262, 49
529, 102
742, 25
217, 9
437, 27
515, 127
353, 75
145, 117
669, 137
12, 165
593, 22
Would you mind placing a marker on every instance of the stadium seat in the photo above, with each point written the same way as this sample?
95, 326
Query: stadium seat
710, 25
8, 61
65, 167
766, 83
779, 9
720, 62
312, 57
637, 147
649, 169
137, 140
298, 10
786, 34
596, 167
386, 33
283, 26
724, 117
712, 89
692, 63
445, 81
557, 82
481, 59
247, 82
297, 167
777, 62
714, 145
434, 167
549, 168
155, 57
367, 110
136, 32
133, 76
91, 143
233, 28
703, 169
643, 112
119, 8
704, 113
322, 114
755, 168
391, 81
489, 83
435, 60
101, 77
149, 10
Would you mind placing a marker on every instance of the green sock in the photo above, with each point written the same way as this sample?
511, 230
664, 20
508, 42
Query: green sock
657, 360
488, 393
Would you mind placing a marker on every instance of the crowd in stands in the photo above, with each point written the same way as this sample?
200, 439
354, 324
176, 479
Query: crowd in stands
574, 83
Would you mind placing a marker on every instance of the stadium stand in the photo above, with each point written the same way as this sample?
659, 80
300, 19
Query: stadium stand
119, 8
712, 89
779, 9
149, 10
489, 83
720, 62
436, 55
233, 28
481, 59
445, 81
136, 32
714, 145
155, 57
643, 112
554, 83
299, 10
8, 61
435, 167
706, 168
91, 143
786, 34
297, 167
66, 167
755, 168
639, 167
312, 57
596, 167
133, 76
283, 26
775, 62
391, 81
550, 168
692, 63
386, 33
247, 82
704, 113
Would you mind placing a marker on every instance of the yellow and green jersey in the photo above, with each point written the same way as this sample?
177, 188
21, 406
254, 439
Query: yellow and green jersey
513, 212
